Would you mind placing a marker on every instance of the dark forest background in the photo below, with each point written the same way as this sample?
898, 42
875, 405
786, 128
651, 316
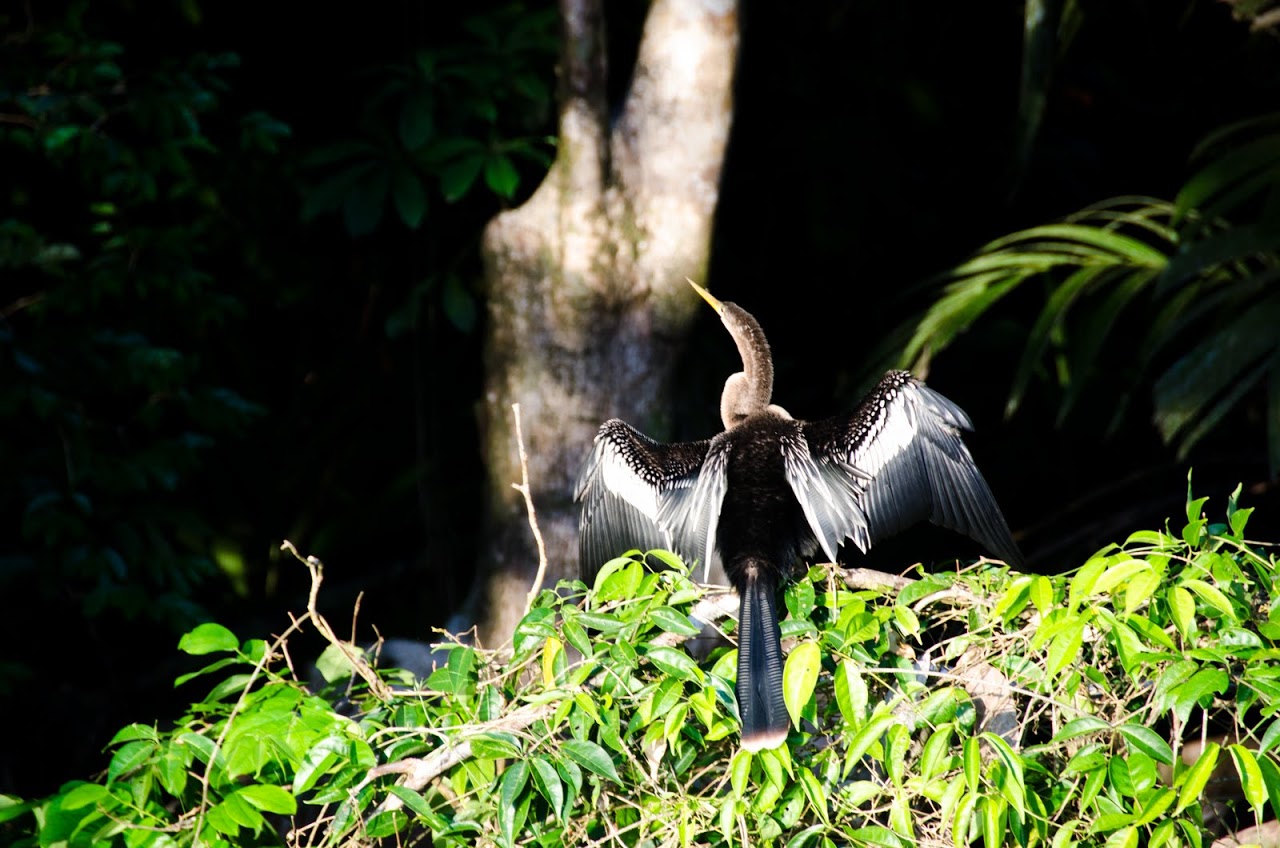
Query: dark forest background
239, 302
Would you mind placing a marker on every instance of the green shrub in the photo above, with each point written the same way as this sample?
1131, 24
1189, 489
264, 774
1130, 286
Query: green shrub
951, 708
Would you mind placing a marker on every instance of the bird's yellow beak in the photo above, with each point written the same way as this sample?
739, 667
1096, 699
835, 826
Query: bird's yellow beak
706, 295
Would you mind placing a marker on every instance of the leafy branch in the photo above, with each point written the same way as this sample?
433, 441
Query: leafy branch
938, 707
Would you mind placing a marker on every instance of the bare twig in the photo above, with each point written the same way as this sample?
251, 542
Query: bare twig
879, 581
421, 771
523, 488
376, 685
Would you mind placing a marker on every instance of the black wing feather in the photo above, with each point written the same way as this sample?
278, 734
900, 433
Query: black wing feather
904, 444
637, 493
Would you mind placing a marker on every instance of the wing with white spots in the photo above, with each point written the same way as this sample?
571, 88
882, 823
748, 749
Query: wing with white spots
693, 514
897, 460
639, 493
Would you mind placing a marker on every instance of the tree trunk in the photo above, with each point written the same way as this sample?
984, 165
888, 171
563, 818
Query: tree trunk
585, 282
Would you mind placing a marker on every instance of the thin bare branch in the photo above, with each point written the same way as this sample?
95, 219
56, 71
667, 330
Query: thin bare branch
523, 488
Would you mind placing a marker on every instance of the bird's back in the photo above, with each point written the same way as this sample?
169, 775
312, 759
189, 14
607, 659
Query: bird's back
760, 516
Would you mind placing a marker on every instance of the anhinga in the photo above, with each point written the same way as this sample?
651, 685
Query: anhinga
771, 489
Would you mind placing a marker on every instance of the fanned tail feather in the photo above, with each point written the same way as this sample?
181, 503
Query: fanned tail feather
759, 688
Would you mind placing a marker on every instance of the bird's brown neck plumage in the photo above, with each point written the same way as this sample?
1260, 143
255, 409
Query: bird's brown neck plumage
748, 391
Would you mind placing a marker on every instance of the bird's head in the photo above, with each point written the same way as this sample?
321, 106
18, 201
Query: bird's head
748, 391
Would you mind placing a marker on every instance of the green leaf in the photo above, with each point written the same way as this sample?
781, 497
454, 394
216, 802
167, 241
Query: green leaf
1156, 806
362, 208
728, 819
674, 662
851, 692
417, 119
496, 745
1080, 727
386, 823
129, 758
1197, 777
457, 177
1212, 377
603, 622
1251, 782
208, 638
548, 782
800, 677
459, 304
84, 795
618, 582
240, 811
457, 676
319, 759
1270, 737
410, 198
1119, 573
1013, 786
591, 757
1271, 776
674, 621
869, 734
12, 807
972, 763
814, 792
273, 799
414, 801
876, 835
510, 787
1125, 837
1212, 596
222, 821
935, 757
1041, 591
1082, 584
740, 771
1065, 648
134, 732
1182, 609
501, 176
1144, 739
334, 664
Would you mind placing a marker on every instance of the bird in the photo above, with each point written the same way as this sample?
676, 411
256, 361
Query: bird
771, 490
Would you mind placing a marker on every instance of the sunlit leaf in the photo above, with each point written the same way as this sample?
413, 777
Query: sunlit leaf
208, 638
272, 799
1144, 739
799, 677
1197, 777
1251, 782
510, 787
591, 757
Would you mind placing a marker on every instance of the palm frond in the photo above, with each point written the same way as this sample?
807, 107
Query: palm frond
1197, 272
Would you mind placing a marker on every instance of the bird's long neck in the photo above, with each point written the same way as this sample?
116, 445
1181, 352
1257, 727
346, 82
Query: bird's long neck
753, 387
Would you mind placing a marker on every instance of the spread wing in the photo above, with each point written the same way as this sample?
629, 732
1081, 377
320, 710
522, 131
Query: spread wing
638, 493
896, 461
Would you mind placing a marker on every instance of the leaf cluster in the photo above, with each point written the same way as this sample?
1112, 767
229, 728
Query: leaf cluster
599, 726
433, 127
1179, 294
111, 227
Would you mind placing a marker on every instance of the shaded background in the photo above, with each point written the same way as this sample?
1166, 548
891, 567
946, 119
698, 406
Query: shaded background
226, 321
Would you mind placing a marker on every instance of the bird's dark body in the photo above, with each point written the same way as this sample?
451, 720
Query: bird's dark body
760, 535
770, 490
760, 517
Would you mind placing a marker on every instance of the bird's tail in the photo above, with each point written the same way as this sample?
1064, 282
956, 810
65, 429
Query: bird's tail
759, 687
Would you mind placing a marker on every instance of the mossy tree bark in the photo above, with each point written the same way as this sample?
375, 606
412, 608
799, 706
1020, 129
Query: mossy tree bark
585, 282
